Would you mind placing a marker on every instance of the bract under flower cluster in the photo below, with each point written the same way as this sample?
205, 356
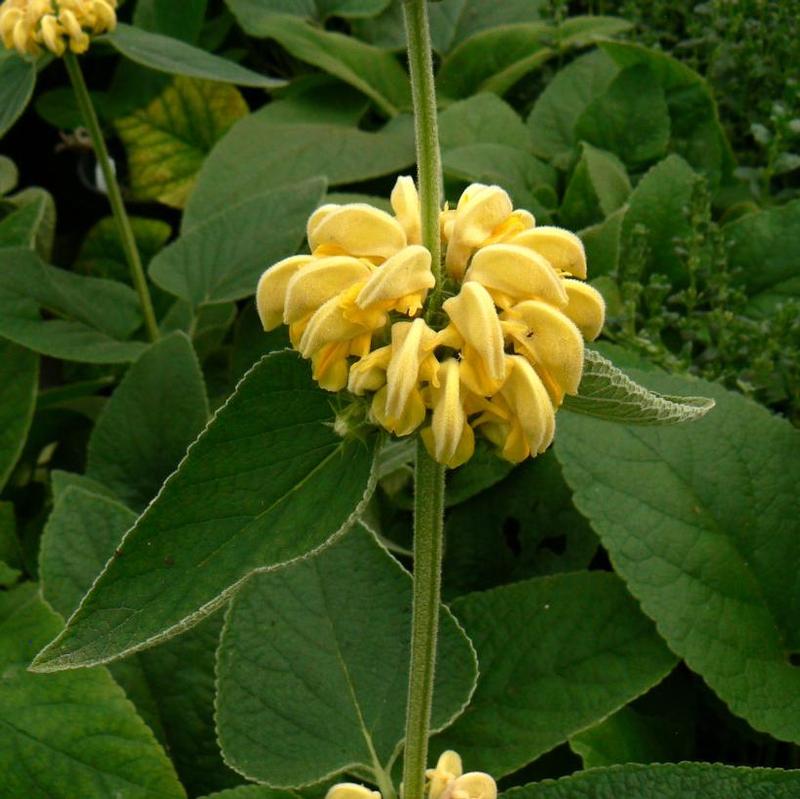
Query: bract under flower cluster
446, 781
31, 25
509, 345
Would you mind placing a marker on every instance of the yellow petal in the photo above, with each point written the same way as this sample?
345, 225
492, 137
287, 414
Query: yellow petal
328, 324
532, 409
351, 790
271, 290
405, 204
512, 273
411, 417
329, 366
52, 35
411, 344
551, 342
563, 249
586, 307
408, 272
519, 221
356, 229
480, 210
318, 281
474, 785
450, 763
473, 313
369, 374
453, 440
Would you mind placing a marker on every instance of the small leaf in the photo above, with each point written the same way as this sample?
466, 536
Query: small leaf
9, 175
168, 141
44, 224
19, 228
667, 781
17, 81
269, 480
328, 686
68, 735
143, 431
222, 258
537, 640
701, 523
97, 314
372, 71
19, 381
599, 186
175, 57
608, 393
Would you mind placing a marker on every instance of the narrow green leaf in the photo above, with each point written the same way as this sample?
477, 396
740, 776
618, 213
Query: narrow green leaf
268, 481
536, 641
68, 735
667, 781
261, 153
157, 410
17, 81
372, 71
175, 57
326, 690
44, 226
19, 381
95, 314
168, 140
172, 685
221, 258
608, 393
700, 521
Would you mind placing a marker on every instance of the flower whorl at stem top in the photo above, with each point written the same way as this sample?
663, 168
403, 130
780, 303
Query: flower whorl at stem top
28, 26
504, 350
446, 781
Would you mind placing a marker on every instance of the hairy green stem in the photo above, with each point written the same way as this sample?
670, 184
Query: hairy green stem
127, 239
428, 524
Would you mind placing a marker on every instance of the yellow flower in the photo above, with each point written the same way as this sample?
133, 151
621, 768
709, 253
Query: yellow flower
449, 439
405, 204
447, 781
29, 25
357, 229
399, 406
448, 769
476, 331
399, 284
561, 248
586, 308
351, 790
272, 286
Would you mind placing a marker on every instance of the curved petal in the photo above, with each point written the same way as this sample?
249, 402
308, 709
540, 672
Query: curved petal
406, 273
405, 204
271, 289
411, 343
562, 248
357, 229
532, 409
585, 307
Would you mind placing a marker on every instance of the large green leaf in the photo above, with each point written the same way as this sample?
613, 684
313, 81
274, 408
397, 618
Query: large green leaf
630, 118
763, 246
263, 152
559, 107
17, 81
556, 655
369, 69
599, 185
341, 622
608, 393
482, 119
172, 685
682, 781
19, 380
252, 792
269, 480
175, 57
183, 21
68, 735
151, 418
221, 258
250, 13
700, 521
95, 314
493, 60
658, 217
168, 140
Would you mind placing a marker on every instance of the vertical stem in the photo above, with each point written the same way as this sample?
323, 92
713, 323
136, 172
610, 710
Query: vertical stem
428, 523
124, 228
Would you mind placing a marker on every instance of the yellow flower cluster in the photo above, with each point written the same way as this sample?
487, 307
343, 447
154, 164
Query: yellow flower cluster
30, 25
510, 342
446, 781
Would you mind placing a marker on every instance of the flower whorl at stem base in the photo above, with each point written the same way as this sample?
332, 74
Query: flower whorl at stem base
29, 26
502, 353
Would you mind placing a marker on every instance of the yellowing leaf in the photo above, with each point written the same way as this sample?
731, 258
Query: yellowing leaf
167, 141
